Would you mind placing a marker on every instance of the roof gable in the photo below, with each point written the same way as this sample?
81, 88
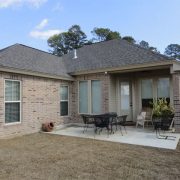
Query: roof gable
26, 58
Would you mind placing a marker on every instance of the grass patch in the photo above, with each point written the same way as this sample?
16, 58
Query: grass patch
45, 156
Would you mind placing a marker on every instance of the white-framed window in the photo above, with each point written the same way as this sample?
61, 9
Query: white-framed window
12, 101
95, 97
163, 88
154, 88
64, 100
90, 97
146, 92
83, 97
125, 95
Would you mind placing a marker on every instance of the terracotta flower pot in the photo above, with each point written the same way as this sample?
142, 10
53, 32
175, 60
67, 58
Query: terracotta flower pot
48, 127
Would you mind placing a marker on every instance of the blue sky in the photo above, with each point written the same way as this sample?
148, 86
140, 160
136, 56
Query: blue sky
31, 22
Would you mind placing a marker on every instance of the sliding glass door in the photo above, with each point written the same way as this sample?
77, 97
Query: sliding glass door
126, 99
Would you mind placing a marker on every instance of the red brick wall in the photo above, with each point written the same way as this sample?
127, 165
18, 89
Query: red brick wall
40, 103
176, 94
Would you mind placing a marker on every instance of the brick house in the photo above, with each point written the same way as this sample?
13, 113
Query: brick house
112, 76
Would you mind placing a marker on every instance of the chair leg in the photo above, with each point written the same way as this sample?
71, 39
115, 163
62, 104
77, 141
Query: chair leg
152, 123
121, 130
165, 137
95, 130
85, 127
136, 124
125, 129
108, 131
156, 134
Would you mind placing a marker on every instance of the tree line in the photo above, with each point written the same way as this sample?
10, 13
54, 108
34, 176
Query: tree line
75, 38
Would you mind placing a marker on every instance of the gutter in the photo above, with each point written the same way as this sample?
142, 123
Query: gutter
33, 73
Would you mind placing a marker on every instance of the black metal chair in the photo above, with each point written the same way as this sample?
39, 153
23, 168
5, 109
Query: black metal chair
121, 121
112, 119
87, 119
163, 124
100, 122
104, 121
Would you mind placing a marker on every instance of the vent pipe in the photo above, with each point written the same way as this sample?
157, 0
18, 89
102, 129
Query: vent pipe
75, 54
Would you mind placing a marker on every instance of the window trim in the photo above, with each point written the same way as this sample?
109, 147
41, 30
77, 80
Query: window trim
79, 95
168, 89
153, 89
91, 94
89, 86
155, 84
20, 101
64, 85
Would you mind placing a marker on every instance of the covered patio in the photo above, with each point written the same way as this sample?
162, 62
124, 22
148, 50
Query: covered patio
135, 136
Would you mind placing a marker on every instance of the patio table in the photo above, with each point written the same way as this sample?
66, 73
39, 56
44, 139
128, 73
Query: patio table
100, 121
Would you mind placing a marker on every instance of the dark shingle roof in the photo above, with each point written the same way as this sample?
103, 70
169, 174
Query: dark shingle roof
26, 58
109, 54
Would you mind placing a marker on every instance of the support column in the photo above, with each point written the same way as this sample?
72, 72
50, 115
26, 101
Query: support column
176, 98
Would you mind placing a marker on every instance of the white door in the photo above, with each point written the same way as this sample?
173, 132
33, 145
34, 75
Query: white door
126, 99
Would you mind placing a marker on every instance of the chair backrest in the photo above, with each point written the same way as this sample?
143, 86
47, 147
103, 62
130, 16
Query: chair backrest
166, 122
124, 117
143, 114
101, 120
87, 119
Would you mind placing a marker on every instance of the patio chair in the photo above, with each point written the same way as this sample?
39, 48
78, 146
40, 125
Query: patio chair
102, 121
145, 117
87, 119
163, 124
112, 119
121, 121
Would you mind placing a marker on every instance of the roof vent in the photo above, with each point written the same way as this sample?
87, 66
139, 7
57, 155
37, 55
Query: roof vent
75, 54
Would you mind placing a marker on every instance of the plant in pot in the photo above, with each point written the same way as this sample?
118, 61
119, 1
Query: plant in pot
162, 111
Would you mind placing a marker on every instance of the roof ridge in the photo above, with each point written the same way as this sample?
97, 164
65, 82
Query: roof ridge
102, 42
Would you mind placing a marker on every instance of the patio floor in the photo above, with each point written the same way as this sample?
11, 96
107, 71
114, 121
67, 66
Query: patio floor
139, 136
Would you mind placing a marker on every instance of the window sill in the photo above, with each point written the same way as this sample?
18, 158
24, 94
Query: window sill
12, 124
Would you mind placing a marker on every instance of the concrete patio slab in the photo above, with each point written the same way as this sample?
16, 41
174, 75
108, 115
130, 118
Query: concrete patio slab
146, 137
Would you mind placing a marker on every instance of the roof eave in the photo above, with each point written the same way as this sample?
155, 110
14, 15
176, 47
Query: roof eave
33, 73
127, 68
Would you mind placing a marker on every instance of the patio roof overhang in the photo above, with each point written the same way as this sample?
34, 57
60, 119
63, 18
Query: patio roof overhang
171, 65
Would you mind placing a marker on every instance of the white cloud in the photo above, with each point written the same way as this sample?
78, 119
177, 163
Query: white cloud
14, 3
42, 24
44, 34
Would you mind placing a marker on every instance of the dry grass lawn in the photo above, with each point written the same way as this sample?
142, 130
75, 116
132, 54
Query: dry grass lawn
49, 157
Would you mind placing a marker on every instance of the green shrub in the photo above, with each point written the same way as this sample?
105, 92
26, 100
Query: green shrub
162, 108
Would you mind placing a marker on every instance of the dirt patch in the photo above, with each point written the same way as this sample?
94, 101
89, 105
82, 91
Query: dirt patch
45, 156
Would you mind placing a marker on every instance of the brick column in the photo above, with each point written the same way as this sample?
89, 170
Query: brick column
176, 97
105, 93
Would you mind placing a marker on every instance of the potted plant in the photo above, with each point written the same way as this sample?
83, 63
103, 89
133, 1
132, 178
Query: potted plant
161, 108
162, 111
